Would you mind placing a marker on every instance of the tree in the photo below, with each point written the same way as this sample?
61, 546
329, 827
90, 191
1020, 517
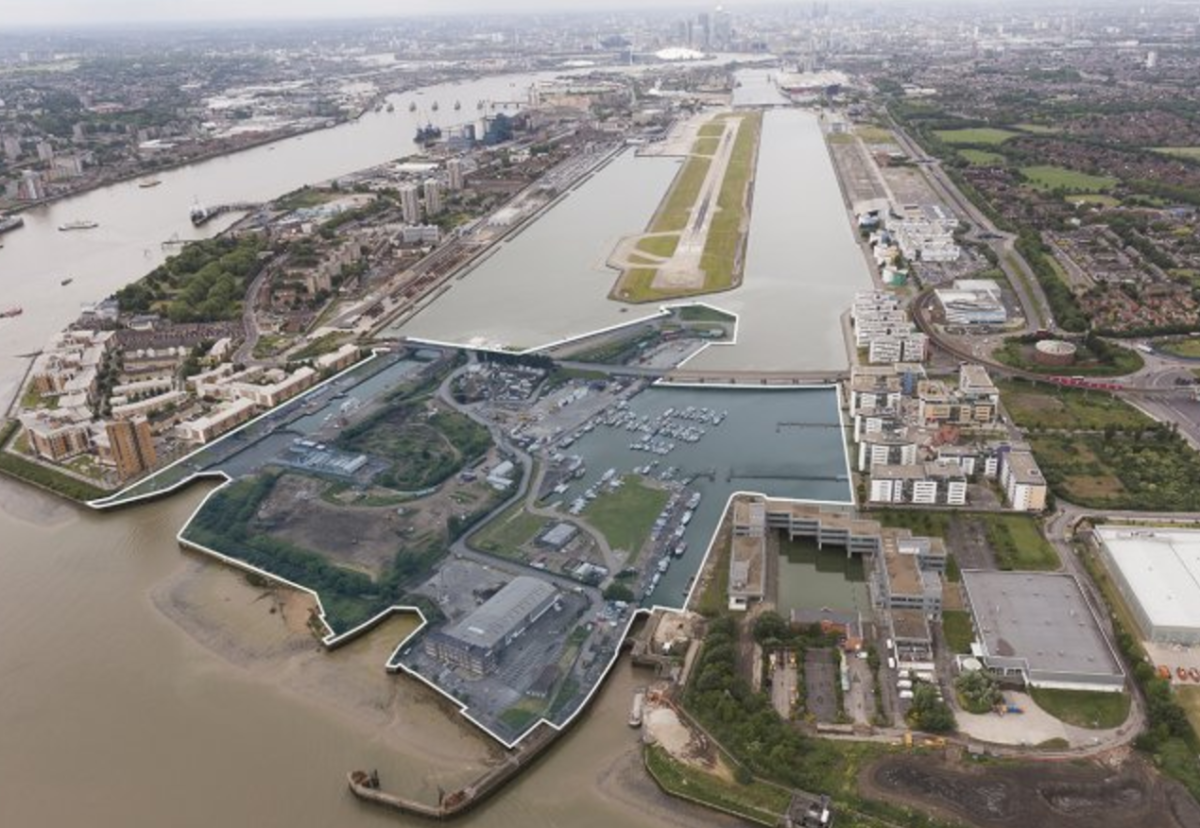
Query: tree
770, 626
930, 713
978, 691
618, 592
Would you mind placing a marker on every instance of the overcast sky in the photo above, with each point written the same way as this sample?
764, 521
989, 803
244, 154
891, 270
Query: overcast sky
82, 12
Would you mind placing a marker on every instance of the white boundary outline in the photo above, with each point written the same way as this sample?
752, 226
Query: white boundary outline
333, 640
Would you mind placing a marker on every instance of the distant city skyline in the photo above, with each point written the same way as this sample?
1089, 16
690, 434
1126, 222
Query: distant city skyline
113, 12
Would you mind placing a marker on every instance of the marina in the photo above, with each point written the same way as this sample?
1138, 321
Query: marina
802, 463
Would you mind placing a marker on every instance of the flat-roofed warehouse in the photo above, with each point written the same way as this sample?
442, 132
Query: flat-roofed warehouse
1040, 626
1158, 573
476, 641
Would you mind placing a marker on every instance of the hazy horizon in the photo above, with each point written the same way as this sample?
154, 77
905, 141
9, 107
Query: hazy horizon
75, 13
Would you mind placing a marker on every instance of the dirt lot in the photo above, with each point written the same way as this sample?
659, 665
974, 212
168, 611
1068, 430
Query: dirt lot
365, 538
1041, 795
968, 539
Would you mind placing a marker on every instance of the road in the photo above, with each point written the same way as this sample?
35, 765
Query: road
244, 355
525, 489
1034, 304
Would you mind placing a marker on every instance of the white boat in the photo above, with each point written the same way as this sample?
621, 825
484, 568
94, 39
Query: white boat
81, 224
635, 713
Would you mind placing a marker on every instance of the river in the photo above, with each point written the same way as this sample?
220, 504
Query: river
112, 716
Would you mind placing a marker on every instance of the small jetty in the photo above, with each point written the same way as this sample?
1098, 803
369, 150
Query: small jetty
366, 785
201, 215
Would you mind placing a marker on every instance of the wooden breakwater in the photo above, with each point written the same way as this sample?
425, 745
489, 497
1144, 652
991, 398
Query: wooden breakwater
366, 784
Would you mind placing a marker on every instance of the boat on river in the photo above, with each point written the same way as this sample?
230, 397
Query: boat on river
148, 183
79, 224
16, 310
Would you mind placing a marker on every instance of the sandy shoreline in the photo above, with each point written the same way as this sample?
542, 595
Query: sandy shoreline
262, 631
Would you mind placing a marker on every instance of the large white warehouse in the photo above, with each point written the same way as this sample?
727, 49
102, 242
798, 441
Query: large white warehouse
1158, 572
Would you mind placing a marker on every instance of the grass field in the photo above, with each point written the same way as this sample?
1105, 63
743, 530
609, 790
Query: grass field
725, 231
1182, 347
1037, 129
706, 146
874, 134
1095, 710
673, 214
1019, 543
659, 245
978, 135
508, 533
956, 626
626, 516
982, 158
711, 131
1060, 178
1052, 407
1180, 152
757, 801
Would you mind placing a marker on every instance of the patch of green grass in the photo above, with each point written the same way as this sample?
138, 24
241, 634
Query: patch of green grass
1045, 177
706, 146
659, 245
874, 134
626, 516
518, 718
1097, 199
711, 131
1057, 743
673, 214
703, 313
509, 532
1055, 407
320, 346
1180, 152
636, 285
982, 158
305, 197
1037, 129
1182, 347
956, 626
1188, 697
977, 135
1019, 544
758, 802
1082, 708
